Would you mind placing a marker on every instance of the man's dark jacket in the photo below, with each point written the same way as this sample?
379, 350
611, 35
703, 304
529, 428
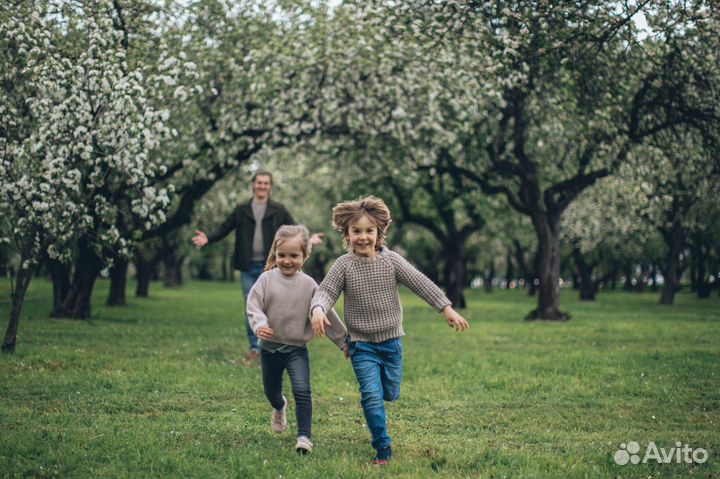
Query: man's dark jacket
243, 222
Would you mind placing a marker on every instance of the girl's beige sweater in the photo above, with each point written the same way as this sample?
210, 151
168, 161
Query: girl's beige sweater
283, 303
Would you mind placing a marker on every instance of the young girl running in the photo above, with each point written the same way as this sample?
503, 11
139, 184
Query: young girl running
278, 309
368, 275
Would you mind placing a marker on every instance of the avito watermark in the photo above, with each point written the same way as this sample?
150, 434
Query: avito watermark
680, 454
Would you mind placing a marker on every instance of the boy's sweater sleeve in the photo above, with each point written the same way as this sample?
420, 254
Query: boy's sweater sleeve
255, 304
419, 283
331, 287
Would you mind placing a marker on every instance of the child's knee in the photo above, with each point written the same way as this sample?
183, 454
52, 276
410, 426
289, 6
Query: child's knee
302, 392
391, 396
371, 396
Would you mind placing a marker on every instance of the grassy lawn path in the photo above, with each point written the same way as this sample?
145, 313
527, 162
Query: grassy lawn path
157, 389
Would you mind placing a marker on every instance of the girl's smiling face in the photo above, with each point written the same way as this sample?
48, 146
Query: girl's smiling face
289, 256
363, 237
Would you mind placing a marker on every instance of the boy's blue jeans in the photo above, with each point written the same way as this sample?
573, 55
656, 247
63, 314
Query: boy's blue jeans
378, 369
248, 279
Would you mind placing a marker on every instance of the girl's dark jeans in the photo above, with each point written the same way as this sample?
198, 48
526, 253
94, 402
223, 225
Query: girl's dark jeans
297, 363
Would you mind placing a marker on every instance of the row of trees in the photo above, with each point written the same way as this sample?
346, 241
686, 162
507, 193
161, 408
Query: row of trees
536, 103
123, 123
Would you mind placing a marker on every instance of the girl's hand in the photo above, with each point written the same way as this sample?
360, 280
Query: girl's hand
265, 333
454, 320
319, 321
345, 350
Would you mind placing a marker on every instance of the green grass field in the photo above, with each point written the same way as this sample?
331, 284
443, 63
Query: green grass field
157, 389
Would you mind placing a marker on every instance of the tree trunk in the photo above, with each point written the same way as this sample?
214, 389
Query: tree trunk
203, 269
314, 266
489, 275
522, 264
548, 269
674, 239
143, 277
509, 269
534, 280
653, 278
614, 270
22, 281
700, 259
3, 263
145, 270
60, 277
41, 269
693, 266
682, 264
640, 285
714, 267
454, 275
703, 287
172, 265
77, 303
118, 282
628, 285
576, 279
588, 287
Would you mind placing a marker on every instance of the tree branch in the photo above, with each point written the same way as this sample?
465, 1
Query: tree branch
410, 217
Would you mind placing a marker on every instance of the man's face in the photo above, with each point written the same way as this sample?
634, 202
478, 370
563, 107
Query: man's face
262, 187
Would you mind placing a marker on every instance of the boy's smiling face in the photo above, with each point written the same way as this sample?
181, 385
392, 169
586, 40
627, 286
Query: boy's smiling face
363, 237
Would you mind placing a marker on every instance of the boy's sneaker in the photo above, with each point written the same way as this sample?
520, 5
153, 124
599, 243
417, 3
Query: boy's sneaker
278, 420
303, 446
382, 457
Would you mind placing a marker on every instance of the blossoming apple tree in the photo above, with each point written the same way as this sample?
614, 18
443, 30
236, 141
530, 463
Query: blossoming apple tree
75, 165
538, 100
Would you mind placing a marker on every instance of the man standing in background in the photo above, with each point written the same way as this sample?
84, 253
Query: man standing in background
255, 223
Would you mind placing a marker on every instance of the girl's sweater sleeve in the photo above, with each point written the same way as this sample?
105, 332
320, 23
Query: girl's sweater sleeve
419, 283
256, 303
336, 332
331, 287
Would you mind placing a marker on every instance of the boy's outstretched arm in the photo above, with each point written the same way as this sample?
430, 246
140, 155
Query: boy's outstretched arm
454, 320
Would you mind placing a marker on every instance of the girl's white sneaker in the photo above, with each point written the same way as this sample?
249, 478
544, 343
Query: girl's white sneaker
303, 446
278, 420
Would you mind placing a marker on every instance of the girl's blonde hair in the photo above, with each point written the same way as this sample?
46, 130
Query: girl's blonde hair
285, 233
349, 212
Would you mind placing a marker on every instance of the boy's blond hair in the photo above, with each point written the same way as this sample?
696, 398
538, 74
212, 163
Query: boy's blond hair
349, 212
283, 234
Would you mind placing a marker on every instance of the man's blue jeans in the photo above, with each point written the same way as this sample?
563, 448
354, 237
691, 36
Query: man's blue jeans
378, 369
248, 278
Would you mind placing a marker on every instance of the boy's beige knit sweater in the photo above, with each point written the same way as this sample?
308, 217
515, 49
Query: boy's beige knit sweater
372, 303
283, 303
